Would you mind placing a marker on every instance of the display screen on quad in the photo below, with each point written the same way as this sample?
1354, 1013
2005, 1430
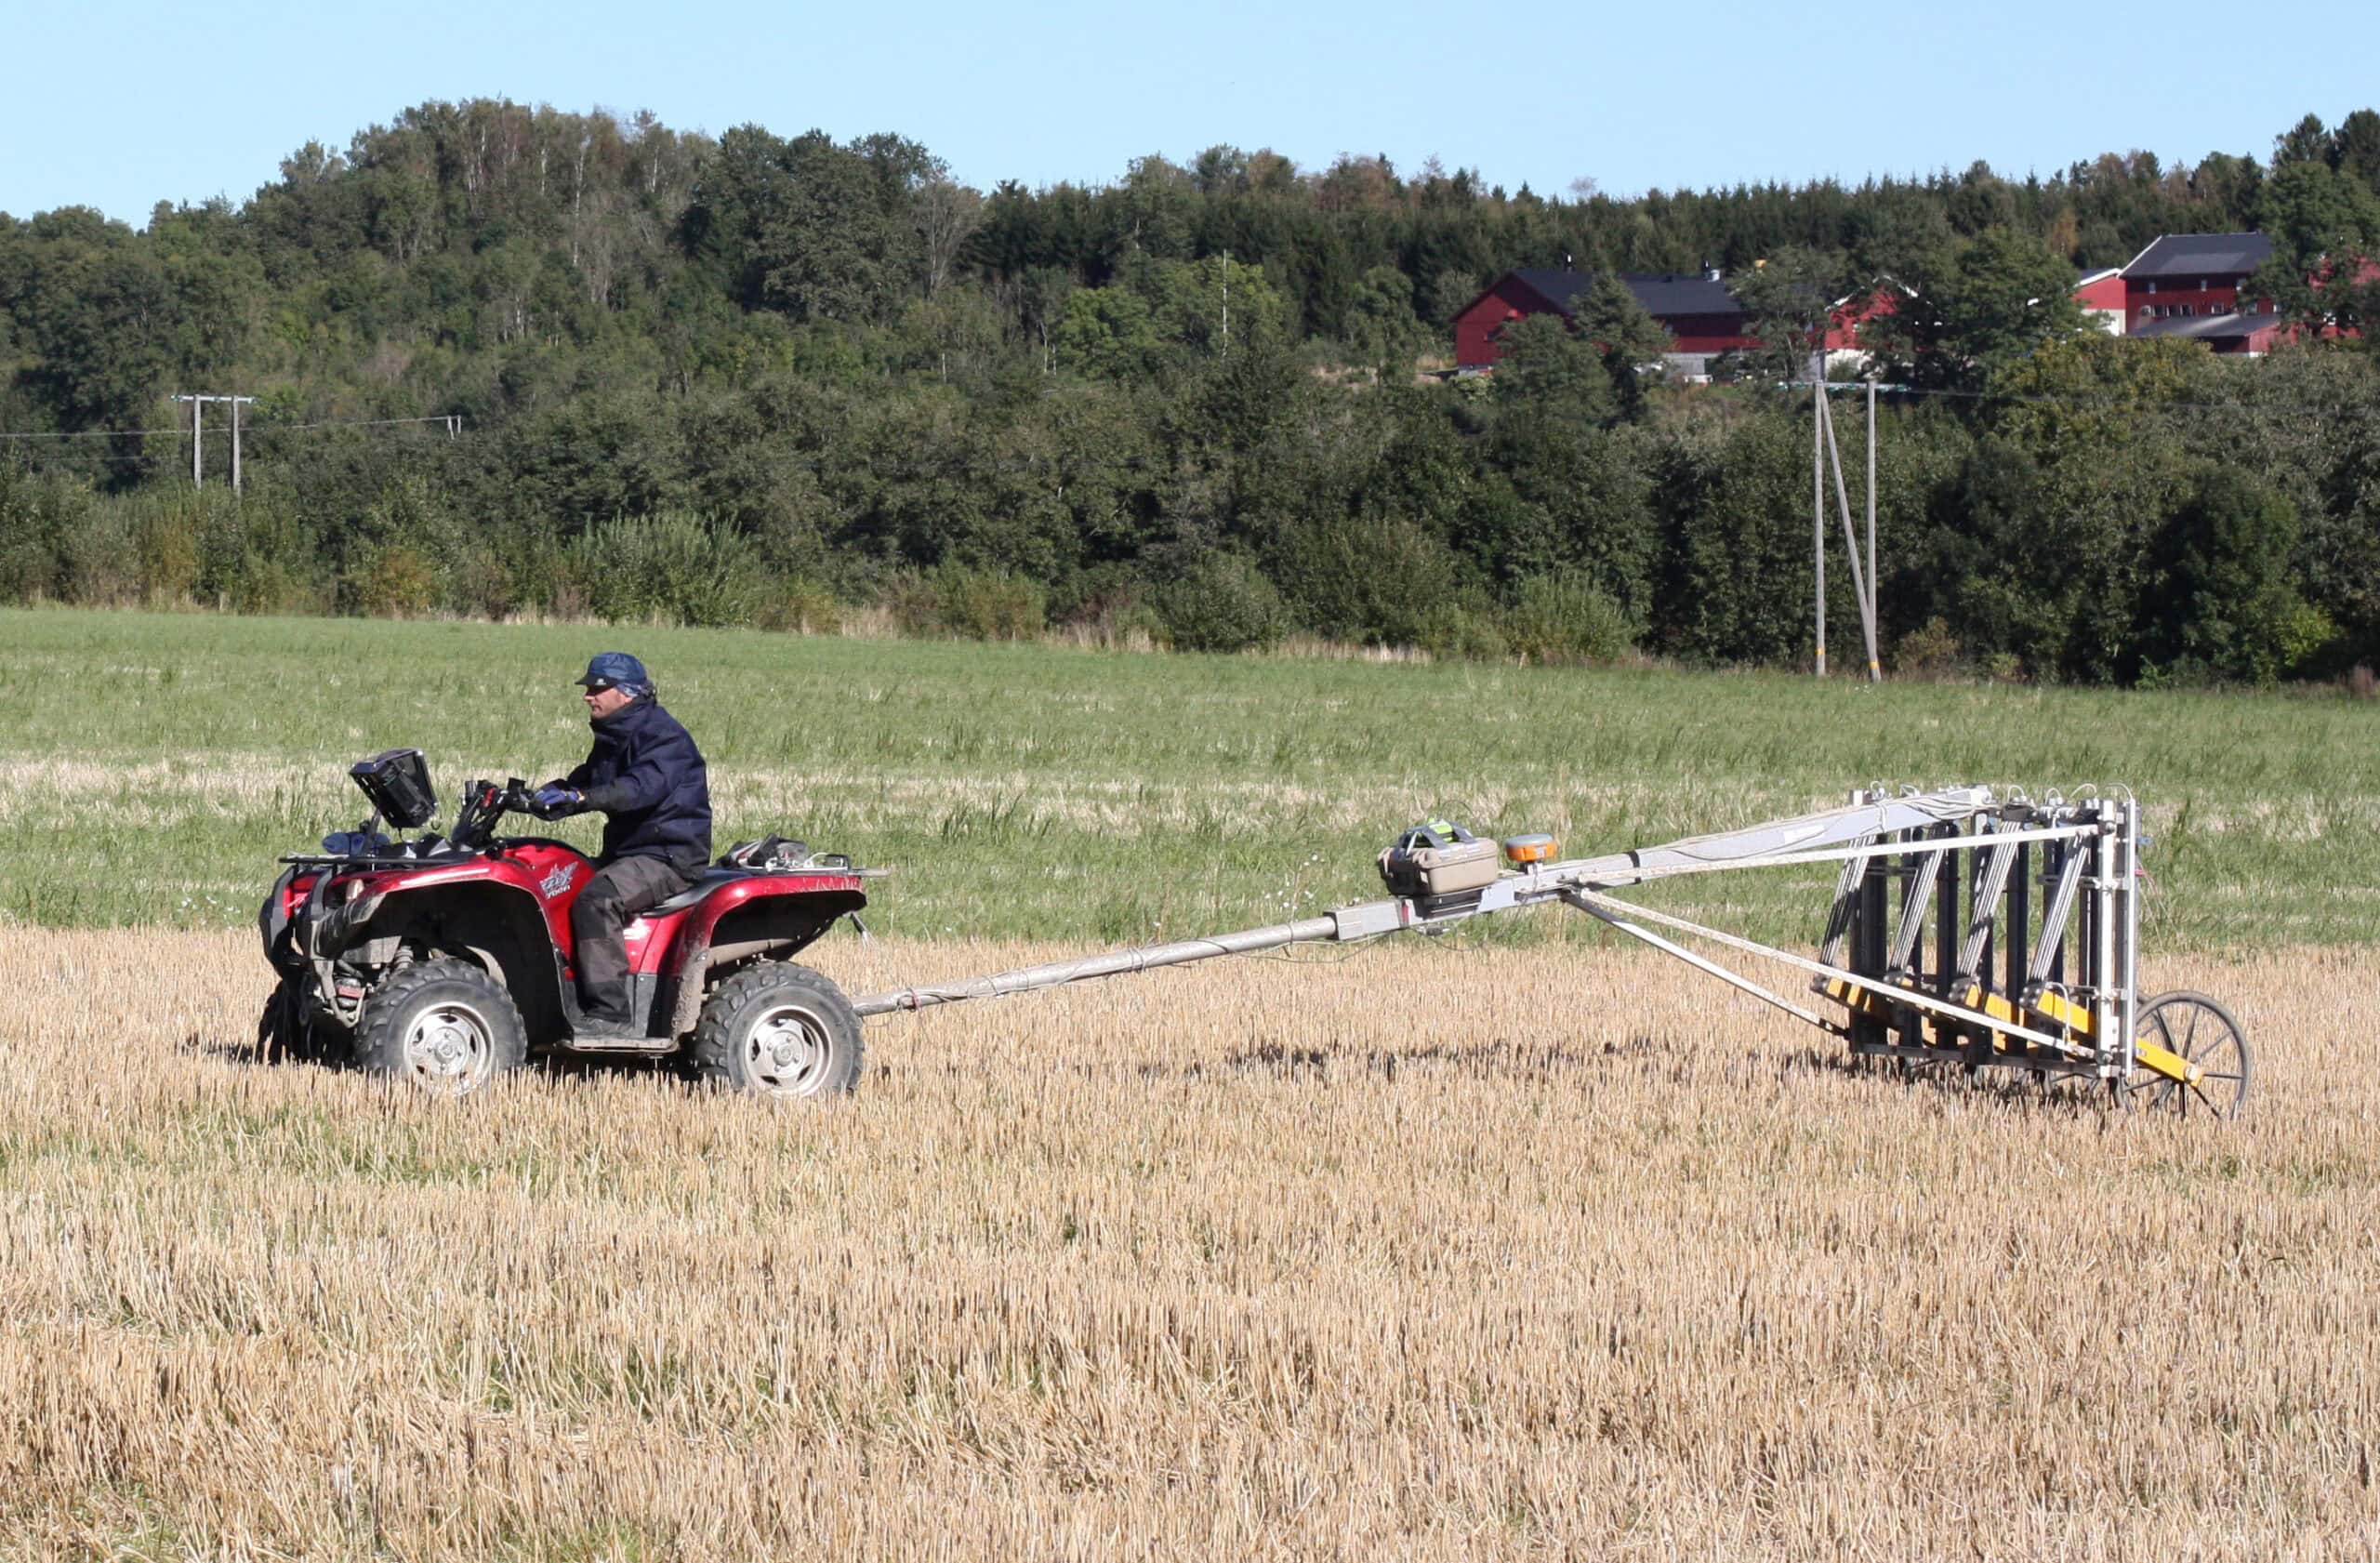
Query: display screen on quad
397, 780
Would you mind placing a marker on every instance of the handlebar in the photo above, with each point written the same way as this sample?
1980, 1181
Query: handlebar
484, 804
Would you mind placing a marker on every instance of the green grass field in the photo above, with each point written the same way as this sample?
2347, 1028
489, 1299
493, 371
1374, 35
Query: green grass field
152, 766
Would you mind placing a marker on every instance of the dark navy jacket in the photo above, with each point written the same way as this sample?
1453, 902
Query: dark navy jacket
647, 776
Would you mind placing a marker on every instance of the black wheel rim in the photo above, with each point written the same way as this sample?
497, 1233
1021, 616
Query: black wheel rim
2203, 1035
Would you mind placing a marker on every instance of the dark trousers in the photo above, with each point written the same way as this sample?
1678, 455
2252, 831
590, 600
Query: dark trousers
619, 891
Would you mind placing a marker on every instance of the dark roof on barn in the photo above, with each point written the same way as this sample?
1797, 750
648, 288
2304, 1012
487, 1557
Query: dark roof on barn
2208, 328
2201, 255
1683, 296
1557, 288
1661, 294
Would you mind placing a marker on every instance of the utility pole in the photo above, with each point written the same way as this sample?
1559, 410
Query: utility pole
198, 435
1817, 498
1871, 503
1226, 276
1860, 584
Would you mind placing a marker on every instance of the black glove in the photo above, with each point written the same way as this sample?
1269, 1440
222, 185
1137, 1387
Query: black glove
557, 800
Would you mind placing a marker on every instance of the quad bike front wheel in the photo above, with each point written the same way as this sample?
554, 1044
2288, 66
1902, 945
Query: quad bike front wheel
445, 1025
778, 1029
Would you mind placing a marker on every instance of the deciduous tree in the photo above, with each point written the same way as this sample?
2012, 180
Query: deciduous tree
1988, 307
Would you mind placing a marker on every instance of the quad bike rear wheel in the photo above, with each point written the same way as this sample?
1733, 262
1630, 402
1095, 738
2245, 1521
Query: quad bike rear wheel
778, 1029
445, 1025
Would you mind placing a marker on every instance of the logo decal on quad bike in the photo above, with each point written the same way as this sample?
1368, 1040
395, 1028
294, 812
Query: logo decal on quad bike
559, 881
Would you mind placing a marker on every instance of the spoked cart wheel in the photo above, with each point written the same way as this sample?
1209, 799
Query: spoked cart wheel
2205, 1036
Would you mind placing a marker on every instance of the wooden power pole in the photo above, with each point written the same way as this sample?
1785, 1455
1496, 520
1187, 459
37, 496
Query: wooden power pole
1823, 447
198, 435
1817, 497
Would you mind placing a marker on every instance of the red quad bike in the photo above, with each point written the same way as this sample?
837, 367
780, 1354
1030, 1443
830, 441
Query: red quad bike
448, 959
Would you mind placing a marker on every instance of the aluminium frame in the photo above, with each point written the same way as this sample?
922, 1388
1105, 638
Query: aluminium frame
2061, 997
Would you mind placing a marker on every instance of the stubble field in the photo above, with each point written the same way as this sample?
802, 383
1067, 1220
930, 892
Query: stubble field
1519, 1245
1432, 1253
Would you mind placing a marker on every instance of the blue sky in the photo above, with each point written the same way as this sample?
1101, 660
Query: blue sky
120, 106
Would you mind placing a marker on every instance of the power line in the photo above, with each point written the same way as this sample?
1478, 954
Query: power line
1067, 469
454, 422
91, 434
451, 422
2295, 409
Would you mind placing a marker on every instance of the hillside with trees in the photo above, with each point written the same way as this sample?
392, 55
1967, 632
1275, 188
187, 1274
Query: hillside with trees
510, 360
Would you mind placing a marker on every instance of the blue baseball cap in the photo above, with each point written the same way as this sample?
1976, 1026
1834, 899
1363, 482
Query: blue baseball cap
608, 669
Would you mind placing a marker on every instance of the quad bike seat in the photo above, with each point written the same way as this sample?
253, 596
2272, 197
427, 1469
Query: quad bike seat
711, 879
770, 855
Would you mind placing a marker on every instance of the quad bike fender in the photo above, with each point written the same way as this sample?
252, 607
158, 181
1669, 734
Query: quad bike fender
287, 920
273, 925
497, 924
774, 915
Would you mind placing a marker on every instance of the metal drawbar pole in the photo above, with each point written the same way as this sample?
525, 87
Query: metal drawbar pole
1027, 979
1699, 963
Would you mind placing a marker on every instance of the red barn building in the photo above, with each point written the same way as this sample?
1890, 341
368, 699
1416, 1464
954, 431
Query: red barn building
2190, 276
2184, 284
2102, 297
1852, 311
1702, 317
2189, 285
2250, 334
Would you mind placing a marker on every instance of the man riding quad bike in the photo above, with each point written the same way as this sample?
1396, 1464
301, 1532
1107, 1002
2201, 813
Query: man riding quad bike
448, 959
645, 773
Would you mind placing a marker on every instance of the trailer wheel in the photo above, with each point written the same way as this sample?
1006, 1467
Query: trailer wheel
2204, 1034
445, 1025
778, 1029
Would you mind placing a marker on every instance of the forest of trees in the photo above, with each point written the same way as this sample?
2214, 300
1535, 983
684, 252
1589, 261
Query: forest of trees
761, 379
